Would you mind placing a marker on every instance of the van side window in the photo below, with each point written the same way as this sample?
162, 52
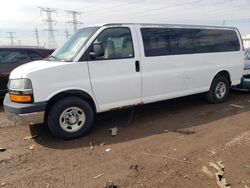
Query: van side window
181, 41
156, 42
216, 40
117, 43
176, 41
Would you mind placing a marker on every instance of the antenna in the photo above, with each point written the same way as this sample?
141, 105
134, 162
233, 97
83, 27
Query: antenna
74, 20
50, 22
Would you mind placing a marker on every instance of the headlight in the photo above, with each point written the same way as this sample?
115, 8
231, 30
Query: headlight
20, 90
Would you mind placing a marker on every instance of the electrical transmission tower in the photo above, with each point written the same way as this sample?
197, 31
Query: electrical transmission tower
74, 20
37, 37
50, 22
11, 37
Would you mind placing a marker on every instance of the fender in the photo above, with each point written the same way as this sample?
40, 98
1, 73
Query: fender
71, 92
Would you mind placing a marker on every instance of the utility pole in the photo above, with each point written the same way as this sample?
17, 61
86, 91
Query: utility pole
74, 20
50, 22
66, 33
37, 37
11, 37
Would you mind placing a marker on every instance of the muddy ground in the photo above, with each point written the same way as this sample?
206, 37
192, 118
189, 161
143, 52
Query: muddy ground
166, 144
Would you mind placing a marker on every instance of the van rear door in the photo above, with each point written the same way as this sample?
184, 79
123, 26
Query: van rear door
116, 76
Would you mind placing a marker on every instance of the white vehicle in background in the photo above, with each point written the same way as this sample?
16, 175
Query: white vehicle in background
111, 66
245, 80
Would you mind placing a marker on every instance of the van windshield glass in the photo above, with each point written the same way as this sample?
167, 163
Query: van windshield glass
73, 45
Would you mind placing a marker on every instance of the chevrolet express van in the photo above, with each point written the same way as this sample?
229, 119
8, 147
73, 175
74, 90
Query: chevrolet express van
110, 66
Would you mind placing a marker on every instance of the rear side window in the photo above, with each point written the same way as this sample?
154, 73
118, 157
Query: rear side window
14, 56
210, 40
176, 41
117, 43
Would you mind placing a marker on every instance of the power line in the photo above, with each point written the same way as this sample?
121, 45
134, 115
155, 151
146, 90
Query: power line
186, 10
156, 12
23, 25
100, 4
37, 37
215, 13
11, 37
127, 5
50, 22
74, 20
153, 14
97, 8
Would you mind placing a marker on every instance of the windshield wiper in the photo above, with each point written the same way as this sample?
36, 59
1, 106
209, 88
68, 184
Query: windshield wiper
54, 58
51, 57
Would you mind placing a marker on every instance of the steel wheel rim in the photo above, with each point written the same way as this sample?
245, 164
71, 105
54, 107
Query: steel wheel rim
220, 90
72, 119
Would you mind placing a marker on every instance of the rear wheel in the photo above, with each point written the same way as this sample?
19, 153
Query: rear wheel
70, 118
219, 90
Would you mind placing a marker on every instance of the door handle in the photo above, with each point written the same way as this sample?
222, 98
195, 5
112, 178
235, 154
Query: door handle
137, 66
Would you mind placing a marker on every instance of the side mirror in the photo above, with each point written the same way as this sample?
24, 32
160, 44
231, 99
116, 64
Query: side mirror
98, 50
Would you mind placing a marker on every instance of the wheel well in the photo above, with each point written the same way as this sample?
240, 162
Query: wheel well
225, 74
76, 93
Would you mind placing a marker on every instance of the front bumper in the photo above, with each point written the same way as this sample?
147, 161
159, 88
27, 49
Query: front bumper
24, 114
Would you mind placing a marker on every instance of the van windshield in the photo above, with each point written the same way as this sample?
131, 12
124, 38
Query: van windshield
69, 50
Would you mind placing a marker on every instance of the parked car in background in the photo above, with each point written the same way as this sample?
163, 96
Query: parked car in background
111, 66
245, 80
13, 56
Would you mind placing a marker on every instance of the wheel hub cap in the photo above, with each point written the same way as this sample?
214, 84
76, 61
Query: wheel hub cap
72, 119
220, 90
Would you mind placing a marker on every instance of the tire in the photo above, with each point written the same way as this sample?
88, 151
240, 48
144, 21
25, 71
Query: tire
70, 118
219, 90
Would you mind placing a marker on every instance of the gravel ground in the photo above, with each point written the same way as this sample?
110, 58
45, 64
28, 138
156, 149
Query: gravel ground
166, 144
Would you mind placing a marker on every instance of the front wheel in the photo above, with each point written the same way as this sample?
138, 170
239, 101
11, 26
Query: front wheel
70, 118
219, 90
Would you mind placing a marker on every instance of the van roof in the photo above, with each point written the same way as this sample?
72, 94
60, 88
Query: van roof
167, 25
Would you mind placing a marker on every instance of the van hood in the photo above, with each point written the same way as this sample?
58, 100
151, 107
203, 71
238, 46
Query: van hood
23, 70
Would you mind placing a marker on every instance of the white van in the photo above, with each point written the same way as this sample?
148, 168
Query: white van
111, 66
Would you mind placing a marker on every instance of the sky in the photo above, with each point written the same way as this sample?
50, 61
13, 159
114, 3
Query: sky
23, 16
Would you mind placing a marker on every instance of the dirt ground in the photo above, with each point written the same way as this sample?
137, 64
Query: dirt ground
166, 144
